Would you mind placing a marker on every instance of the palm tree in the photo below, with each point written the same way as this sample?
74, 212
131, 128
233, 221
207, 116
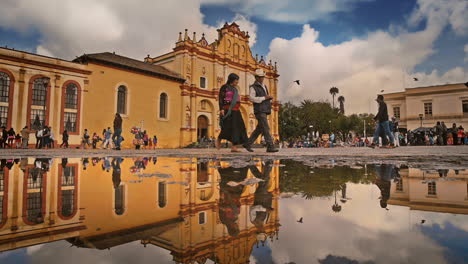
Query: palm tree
334, 91
341, 100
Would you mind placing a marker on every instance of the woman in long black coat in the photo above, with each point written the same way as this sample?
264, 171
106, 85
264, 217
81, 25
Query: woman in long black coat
232, 124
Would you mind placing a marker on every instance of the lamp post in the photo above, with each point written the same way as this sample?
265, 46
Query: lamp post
329, 122
421, 119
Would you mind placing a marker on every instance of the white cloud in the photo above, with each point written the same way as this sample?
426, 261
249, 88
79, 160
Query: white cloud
362, 67
70, 28
294, 11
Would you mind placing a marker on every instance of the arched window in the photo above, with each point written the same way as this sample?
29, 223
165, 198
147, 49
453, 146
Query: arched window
5, 83
4, 87
163, 105
70, 109
119, 200
67, 191
35, 196
38, 102
122, 100
71, 96
3, 195
39, 92
162, 199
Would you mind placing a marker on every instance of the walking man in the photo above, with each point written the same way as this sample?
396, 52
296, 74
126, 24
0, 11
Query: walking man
259, 95
382, 124
25, 137
117, 138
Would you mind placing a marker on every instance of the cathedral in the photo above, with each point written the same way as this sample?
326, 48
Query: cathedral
172, 96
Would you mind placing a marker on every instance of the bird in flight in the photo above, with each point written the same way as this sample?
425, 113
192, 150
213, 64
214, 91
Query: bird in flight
298, 82
300, 220
415, 79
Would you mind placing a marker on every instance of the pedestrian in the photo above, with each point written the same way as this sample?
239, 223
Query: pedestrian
18, 141
444, 133
64, 139
39, 138
145, 139
396, 131
261, 98
454, 134
231, 122
155, 142
51, 138
45, 137
85, 139
439, 133
138, 139
117, 137
461, 135
11, 137
382, 125
25, 137
107, 138
95, 140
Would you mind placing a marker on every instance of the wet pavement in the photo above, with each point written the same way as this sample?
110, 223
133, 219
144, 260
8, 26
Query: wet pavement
233, 209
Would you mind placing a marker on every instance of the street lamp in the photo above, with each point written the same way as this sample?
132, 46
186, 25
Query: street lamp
329, 122
421, 118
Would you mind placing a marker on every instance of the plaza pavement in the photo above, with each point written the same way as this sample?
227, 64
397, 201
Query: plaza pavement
416, 152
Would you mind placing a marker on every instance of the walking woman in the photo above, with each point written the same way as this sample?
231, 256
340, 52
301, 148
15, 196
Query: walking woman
231, 122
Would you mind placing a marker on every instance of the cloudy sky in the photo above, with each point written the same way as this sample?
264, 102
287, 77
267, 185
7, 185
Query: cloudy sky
359, 46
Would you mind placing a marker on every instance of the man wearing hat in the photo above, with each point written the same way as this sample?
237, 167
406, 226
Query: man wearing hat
261, 99
382, 123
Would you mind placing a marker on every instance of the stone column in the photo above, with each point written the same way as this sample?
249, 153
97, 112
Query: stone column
56, 98
22, 100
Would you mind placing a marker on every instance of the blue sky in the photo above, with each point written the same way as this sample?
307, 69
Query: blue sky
365, 17
359, 46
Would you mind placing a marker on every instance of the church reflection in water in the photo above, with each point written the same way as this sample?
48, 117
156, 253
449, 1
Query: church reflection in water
196, 209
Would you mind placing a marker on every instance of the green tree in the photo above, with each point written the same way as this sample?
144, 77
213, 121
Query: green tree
334, 91
341, 100
290, 121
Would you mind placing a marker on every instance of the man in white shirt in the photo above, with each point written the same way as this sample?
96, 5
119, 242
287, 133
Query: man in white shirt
259, 95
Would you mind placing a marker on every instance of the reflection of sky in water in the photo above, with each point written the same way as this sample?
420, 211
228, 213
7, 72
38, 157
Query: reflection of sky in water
362, 231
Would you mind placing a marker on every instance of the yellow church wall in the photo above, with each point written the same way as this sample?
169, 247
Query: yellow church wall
142, 105
140, 198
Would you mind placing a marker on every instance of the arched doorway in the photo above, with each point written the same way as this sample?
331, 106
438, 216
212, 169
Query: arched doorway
202, 127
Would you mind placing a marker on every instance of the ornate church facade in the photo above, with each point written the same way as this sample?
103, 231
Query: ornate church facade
205, 68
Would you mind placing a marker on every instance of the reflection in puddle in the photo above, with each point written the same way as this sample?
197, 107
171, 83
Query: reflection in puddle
210, 211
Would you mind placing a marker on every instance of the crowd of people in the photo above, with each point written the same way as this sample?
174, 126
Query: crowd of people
45, 138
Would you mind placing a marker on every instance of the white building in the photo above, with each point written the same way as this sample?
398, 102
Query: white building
427, 105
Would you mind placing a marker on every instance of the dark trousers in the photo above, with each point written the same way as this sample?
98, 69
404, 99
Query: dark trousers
444, 136
455, 138
262, 128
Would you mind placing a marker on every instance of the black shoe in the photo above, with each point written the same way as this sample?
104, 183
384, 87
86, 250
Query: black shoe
248, 148
272, 149
117, 148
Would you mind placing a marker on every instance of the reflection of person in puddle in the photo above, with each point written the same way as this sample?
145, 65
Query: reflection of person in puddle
385, 173
443, 172
260, 211
229, 197
116, 171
